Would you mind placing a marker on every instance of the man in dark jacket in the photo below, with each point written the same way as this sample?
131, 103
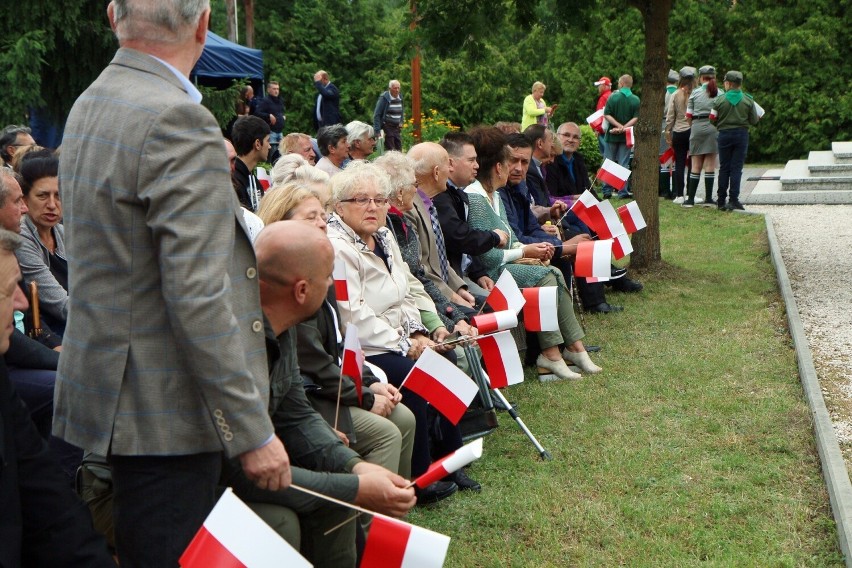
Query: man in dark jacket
388, 116
271, 109
327, 111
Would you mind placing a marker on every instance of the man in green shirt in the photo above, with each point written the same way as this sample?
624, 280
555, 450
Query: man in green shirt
622, 112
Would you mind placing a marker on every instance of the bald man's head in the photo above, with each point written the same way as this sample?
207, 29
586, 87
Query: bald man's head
431, 166
294, 263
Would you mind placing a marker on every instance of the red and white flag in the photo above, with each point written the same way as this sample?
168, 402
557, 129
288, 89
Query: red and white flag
758, 110
667, 157
353, 358
613, 174
506, 295
586, 208
263, 178
714, 114
628, 136
540, 309
502, 360
442, 384
621, 247
632, 217
593, 259
233, 536
395, 544
448, 464
497, 321
607, 224
595, 120
341, 289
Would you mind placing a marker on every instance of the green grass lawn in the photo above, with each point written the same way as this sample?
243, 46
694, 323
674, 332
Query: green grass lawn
693, 447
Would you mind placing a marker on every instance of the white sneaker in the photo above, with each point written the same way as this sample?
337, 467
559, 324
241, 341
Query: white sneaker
678, 200
699, 200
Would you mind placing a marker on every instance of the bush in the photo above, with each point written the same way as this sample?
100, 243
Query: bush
589, 148
433, 127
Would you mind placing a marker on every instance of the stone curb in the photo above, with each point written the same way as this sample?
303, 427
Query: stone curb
833, 465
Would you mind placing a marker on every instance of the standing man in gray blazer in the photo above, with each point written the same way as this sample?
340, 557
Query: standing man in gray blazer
164, 365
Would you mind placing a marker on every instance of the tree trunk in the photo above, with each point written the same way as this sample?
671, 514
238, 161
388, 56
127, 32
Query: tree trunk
248, 5
232, 24
646, 164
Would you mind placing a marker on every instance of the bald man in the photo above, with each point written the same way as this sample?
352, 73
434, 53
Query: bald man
294, 263
432, 170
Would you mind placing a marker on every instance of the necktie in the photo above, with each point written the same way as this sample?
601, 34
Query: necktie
439, 239
543, 171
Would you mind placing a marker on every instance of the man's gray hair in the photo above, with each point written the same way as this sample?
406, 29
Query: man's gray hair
9, 241
147, 20
5, 190
392, 83
355, 177
357, 130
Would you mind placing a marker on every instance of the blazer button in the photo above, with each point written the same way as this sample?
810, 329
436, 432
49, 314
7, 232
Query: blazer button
228, 436
251, 272
257, 326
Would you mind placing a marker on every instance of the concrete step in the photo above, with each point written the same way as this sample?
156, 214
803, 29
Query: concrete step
769, 192
842, 152
825, 163
796, 177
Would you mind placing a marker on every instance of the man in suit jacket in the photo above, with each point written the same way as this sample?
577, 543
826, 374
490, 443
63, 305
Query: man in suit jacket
432, 170
327, 111
164, 365
42, 523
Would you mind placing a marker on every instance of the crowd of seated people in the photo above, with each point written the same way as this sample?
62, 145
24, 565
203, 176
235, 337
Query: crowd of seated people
423, 238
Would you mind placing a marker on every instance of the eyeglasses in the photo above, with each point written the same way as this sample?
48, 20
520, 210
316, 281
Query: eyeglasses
569, 136
364, 201
14, 129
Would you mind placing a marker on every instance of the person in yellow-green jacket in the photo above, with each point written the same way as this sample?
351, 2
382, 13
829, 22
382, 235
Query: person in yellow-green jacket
734, 113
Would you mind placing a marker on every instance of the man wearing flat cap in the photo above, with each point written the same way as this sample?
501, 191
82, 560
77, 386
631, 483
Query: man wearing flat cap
734, 113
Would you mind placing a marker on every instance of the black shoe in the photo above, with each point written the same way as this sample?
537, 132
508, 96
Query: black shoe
735, 206
464, 482
604, 308
625, 285
498, 404
720, 205
615, 272
435, 492
593, 348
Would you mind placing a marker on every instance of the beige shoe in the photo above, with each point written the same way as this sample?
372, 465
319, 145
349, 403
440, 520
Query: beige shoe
554, 370
582, 360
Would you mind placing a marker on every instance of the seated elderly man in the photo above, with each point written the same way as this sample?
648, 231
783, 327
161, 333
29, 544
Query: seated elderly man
41, 522
333, 145
294, 272
298, 143
432, 171
361, 139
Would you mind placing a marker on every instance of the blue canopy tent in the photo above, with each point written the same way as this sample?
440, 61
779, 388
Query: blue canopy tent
221, 61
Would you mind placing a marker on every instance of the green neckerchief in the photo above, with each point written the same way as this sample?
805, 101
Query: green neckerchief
734, 96
625, 91
703, 86
671, 89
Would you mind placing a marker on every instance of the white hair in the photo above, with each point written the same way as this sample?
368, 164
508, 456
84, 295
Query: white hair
355, 176
392, 83
295, 168
398, 166
159, 21
357, 130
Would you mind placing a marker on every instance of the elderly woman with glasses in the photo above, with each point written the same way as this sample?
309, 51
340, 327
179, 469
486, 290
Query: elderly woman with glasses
379, 303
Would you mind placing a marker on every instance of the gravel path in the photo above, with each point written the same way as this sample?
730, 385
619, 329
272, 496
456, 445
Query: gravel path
816, 244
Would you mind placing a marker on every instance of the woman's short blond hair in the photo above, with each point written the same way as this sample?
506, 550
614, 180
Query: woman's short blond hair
538, 85
279, 202
354, 176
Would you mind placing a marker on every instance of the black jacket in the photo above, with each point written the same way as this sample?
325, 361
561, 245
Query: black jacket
459, 237
329, 107
274, 106
559, 180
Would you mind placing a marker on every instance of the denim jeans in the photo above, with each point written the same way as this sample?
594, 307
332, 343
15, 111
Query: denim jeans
733, 145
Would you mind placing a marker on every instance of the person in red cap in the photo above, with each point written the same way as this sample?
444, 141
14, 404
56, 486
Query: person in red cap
604, 86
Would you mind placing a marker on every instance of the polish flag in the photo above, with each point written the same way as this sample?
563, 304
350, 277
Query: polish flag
263, 177
497, 321
621, 247
593, 259
586, 208
341, 290
613, 174
595, 120
395, 544
628, 135
453, 462
233, 536
442, 384
540, 309
713, 114
758, 110
502, 359
667, 157
353, 358
632, 217
607, 223
506, 295
594, 280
